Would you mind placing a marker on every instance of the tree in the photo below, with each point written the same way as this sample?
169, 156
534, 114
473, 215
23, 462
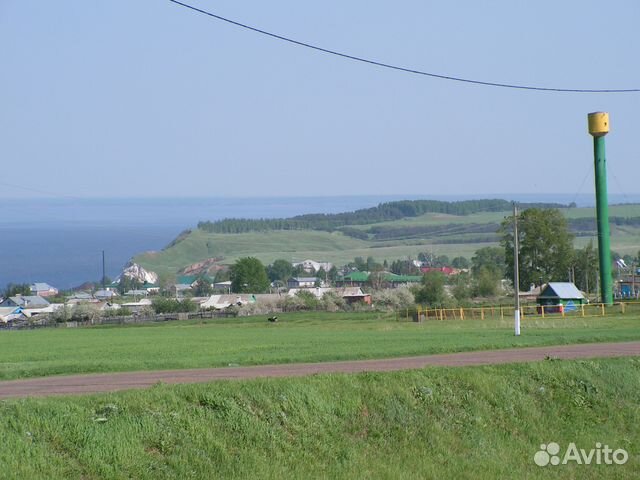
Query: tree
202, 288
280, 270
222, 276
172, 305
127, 283
404, 267
332, 274
360, 264
14, 289
321, 276
460, 262
485, 282
546, 246
248, 275
461, 286
372, 265
585, 268
432, 290
491, 258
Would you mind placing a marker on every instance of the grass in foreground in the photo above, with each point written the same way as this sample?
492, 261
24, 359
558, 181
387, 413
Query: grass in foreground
301, 337
479, 422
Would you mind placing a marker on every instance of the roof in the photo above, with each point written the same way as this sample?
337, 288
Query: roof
357, 277
9, 313
42, 287
81, 296
223, 301
561, 290
392, 277
318, 292
191, 279
352, 292
304, 279
445, 270
105, 294
29, 301
142, 303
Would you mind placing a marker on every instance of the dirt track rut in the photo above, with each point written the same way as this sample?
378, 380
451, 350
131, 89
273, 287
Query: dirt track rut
108, 382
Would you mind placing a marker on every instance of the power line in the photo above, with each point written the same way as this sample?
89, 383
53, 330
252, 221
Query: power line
404, 69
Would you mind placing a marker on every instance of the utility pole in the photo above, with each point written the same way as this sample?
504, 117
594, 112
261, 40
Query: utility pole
516, 272
103, 272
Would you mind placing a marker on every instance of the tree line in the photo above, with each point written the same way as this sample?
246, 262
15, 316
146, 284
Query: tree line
382, 213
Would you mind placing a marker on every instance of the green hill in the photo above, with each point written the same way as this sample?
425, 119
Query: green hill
410, 227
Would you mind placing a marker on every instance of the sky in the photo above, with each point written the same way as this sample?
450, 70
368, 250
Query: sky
144, 98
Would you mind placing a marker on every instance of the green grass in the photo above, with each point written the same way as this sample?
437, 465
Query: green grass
301, 337
480, 422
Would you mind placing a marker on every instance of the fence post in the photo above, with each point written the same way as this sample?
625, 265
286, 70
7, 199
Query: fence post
461, 313
481, 313
501, 313
621, 307
542, 310
602, 305
582, 308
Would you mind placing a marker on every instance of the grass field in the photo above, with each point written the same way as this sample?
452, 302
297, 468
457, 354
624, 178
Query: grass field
300, 337
480, 422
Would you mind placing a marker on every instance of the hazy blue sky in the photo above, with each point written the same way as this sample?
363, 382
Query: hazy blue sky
147, 98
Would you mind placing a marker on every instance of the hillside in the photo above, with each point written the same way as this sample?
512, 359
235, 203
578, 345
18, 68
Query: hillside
408, 230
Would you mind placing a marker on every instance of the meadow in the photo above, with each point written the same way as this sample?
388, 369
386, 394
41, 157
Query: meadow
478, 422
297, 337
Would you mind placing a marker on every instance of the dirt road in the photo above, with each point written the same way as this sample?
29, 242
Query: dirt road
107, 382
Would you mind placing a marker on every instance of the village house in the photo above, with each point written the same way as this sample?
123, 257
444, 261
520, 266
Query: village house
349, 294
302, 282
25, 302
563, 295
220, 302
106, 294
43, 290
311, 266
11, 314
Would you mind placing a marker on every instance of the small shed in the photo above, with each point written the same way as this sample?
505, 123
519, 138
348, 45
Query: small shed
561, 293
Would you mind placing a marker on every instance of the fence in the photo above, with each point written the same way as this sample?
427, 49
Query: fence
502, 312
115, 320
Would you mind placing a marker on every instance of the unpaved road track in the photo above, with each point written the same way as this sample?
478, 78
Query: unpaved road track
108, 382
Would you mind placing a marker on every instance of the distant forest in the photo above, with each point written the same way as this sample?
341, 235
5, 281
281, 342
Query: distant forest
384, 212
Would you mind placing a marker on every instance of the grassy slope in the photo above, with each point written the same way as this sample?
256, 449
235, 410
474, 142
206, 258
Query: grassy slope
302, 337
480, 422
339, 249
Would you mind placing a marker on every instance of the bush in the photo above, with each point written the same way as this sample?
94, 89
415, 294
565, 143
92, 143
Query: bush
393, 299
332, 302
172, 305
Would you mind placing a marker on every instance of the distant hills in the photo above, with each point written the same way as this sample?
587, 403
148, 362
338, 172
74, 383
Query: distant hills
389, 231
384, 212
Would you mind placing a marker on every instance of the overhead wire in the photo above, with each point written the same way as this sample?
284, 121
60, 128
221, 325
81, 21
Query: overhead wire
403, 69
